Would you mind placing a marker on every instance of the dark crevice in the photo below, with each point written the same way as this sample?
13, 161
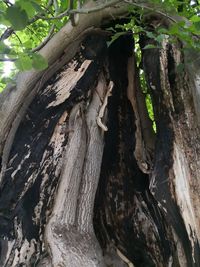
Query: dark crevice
163, 161
172, 73
121, 180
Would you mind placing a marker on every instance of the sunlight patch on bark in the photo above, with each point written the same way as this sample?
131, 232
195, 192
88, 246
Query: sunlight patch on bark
68, 82
182, 189
69, 232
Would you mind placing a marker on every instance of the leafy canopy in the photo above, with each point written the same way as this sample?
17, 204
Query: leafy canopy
26, 26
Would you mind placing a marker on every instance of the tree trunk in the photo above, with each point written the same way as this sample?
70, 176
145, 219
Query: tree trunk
85, 181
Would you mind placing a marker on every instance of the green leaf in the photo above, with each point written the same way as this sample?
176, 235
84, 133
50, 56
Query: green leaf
111, 29
115, 37
174, 29
36, 5
195, 18
162, 30
197, 25
63, 5
3, 21
27, 6
4, 49
24, 62
17, 17
6, 80
150, 35
160, 38
39, 62
28, 44
150, 46
181, 23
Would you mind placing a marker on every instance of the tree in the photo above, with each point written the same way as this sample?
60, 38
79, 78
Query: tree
86, 180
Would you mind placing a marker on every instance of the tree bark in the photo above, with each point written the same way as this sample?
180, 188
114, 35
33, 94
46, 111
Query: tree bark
85, 181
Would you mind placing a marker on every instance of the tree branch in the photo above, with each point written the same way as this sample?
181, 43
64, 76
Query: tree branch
7, 33
56, 7
147, 7
7, 59
45, 40
7, 3
84, 10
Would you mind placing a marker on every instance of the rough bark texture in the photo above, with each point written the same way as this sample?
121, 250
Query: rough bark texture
174, 180
57, 153
57, 150
128, 213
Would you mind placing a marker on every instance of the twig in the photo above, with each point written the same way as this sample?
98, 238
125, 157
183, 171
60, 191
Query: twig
97, 8
7, 3
83, 11
6, 34
7, 59
45, 40
18, 38
79, 3
36, 35
49, 3
145, 6
102, 109
56, 7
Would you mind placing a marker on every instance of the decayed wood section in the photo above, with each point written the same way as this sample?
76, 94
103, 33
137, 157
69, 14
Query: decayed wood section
174, 180
129, 215
158, 222
64, 45
85, 181
49, 185
69, 233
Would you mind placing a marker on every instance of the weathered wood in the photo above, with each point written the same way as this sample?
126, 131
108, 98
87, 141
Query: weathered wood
69, 233
37, 160
54, 152
129, 216
174, 183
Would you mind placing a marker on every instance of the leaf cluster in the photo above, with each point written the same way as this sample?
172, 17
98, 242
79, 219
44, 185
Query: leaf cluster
26, 26
23, 31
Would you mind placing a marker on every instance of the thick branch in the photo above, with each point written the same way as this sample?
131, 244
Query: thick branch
7, 59
45, 41
69, 233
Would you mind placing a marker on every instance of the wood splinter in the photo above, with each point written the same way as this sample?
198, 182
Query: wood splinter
102, 109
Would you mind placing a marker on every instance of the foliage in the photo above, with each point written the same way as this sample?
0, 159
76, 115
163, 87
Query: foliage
26, 26
184, 26
29, 31
148, 99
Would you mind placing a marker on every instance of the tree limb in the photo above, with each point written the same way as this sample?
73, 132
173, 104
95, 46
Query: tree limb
84, 10
146, 6
7, 59
7, 3
7, 33
45, 40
